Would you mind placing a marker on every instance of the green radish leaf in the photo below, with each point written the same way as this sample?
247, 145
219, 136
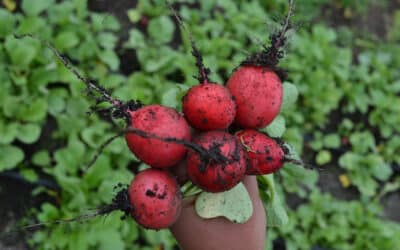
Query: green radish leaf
110, 58
107, 40
10, 156
28, 133
7, 22
49, 212
276, 212
98, 172
22, 51
290, 95
94, 135
8, 132
134, 15
161, 29
18, 79
29, 175
11, 105
234, 204
34, 112
172, 97
110, 239
55, 103
41, 158
169, 98
332, 141
276, 128
35, 7
323, 157
32, 24
136, 40
66, 40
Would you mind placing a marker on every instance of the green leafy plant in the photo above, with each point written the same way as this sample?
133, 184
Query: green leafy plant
329, 223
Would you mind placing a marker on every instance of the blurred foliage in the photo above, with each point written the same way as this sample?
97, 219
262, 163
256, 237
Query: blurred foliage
347, 89
327, 223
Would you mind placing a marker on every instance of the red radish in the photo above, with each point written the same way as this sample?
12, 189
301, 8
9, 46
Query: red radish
265, 155
155, 199
258, 95
217, 175
163, 122
209, 106
257, 83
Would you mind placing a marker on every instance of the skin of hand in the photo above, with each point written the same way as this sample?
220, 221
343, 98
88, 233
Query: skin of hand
195, 233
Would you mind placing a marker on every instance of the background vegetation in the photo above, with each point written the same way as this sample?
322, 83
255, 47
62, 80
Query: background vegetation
343, 59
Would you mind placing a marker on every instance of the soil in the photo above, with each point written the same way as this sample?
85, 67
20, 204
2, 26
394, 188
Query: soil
12, 208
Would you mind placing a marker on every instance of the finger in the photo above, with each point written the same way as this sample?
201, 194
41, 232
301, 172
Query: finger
180, 173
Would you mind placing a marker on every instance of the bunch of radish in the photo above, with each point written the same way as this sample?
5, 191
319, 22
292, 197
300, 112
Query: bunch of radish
216, 138
213, 143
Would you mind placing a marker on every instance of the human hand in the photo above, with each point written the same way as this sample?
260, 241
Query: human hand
194, 233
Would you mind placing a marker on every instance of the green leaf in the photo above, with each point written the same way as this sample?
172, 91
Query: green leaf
295, 178
66, 40
113, 80
18, 79
170, 97
55, 102
136, 40
28, 133
111, 240
379, 169
8, 131
107, 40
350, 161
35, 7
332, 141
48, 212
276, 128
134, 15
69, 159
41, 158
275, 211
33, 25
366, 184
7, 23
10, 157
21, 51
34, 112
152, 61
95, 135
234, 204
42, 76
323, 157
77, 106
29, 175
110, 22
98, 172
362, 142
161, 29
156, 239
110, 58
11, 106
290, 95
390, 187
